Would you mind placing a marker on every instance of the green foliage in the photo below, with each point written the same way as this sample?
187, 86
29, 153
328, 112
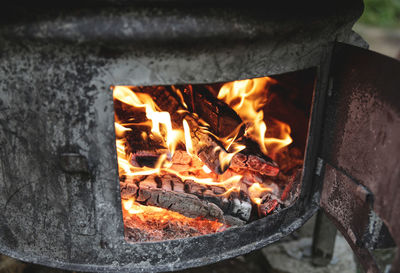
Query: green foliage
381, 13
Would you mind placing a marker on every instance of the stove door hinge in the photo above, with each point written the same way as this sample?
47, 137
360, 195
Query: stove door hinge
319, 166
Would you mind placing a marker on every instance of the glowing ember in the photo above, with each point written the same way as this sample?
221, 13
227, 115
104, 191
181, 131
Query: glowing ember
256, 190
162, 224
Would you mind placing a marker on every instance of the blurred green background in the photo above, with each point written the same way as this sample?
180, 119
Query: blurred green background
379, 25
384, 13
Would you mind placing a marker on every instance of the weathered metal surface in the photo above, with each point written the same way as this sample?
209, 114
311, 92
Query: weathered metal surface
55, 99
151, 46
362, 144
323, 240
74, 163
347, 204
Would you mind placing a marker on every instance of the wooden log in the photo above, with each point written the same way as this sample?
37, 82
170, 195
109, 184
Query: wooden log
194, 187
188, 198
205, 145
234, 221
254, 163
240, 208
186, 204
222, 119
221, 201
128, 190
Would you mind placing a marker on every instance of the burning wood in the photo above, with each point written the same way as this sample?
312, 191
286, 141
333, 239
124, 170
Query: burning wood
187, 197
221, 118
268, 205
254, 163
186, 204
149, 223
189, 164
204, 144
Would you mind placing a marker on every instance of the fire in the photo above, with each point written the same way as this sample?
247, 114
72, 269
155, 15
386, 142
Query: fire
281, 141
136, 214
247, 98
206, 169
158, 118
188, 139
256, 190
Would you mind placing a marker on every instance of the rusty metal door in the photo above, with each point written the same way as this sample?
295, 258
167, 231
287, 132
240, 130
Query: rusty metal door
361, 150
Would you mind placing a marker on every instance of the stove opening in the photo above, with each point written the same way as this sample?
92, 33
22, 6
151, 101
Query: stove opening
196, 159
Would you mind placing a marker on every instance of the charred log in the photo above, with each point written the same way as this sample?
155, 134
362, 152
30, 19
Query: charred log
255, 164
188, 198
222, 119
142, 229
292, 187
252, 159
268, 205
191, 204
205, 145
128, 190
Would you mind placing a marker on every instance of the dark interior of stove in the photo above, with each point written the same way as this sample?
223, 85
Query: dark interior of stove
191, 156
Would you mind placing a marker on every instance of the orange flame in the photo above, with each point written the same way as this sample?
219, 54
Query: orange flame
158, 118
247, 98
255, 192
188, 139
141, 213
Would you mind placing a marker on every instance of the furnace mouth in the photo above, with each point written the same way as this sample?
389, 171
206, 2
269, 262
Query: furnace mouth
199, 159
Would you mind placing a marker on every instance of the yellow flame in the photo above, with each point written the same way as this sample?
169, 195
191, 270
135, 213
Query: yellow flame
120, 130
158, 118
123, 163
231, 189
127, 204
180, 96
247, 98
206, 169
283, 141
188, 139
225, 158
255, 192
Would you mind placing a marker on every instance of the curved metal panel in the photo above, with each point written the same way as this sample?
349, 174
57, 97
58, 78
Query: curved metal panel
59, 189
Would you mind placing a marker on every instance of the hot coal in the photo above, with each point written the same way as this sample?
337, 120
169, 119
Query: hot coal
186, 197
186, 204
268, 204
255, 163
155, 224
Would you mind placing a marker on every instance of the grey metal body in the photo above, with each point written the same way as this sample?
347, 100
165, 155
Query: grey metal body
59, 192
